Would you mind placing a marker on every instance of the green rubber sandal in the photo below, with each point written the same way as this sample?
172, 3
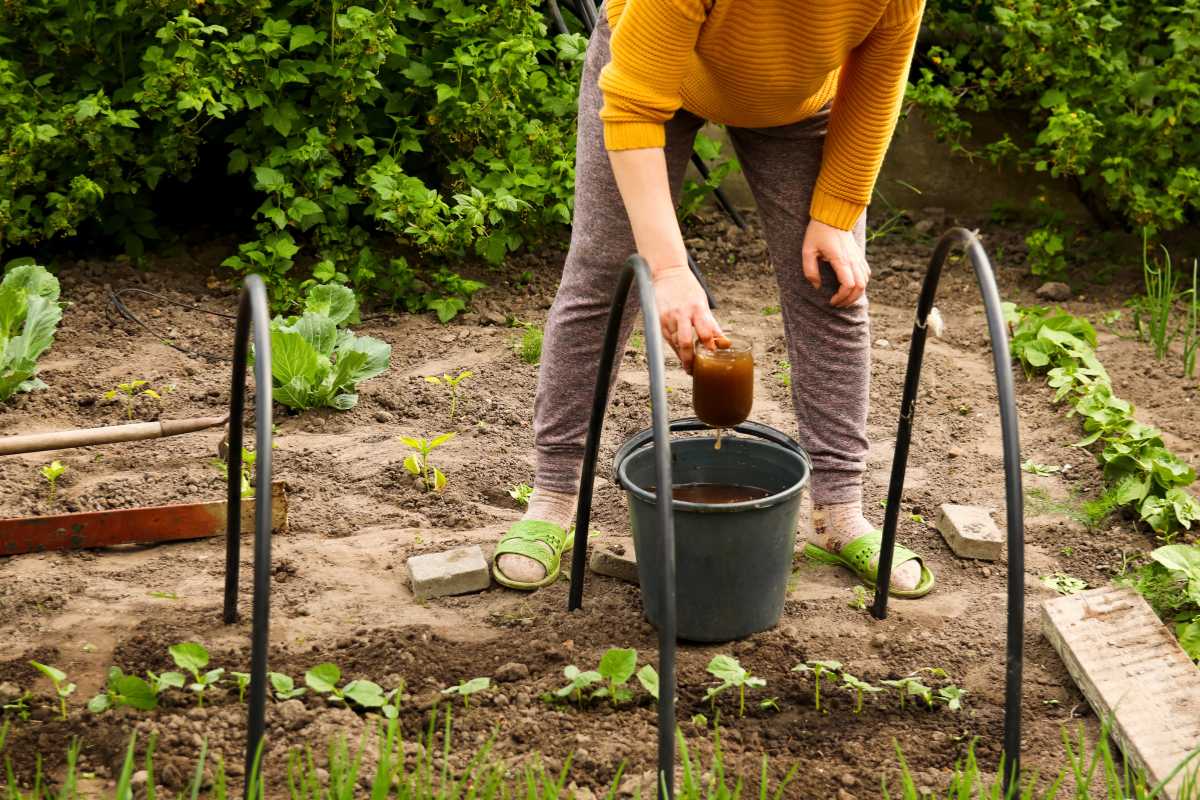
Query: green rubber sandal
858, 555
544, 542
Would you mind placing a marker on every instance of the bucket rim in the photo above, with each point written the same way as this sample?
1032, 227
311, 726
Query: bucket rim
624, 455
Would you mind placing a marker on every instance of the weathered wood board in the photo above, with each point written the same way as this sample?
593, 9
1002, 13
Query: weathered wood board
1131, 668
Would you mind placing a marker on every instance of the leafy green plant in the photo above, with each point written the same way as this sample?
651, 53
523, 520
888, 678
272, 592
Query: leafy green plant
910, 686
19, 706
324, 678
1170, 582
529, 346
62, 687
192, 657
783, 373
242, 680
29, 316
952, 696
129, 392
695, 192
731, 674
315, 362
418, 463
1042, 470
860, 688
121, 690
859, 601
1063, 583
465, 689
52, 472
648, 677
451, 383
1047, 251
167, 680
577, 681
818, 668
521, 493
248, 459
283, 687
617, 666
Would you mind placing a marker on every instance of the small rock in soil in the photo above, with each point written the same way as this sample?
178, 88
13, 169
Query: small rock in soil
848, 780
924, 226
1054, 290
512, 672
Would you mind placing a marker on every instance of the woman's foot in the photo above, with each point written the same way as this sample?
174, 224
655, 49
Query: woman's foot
557, 508
835, 526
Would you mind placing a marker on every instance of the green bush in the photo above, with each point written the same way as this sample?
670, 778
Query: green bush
446, 126
1109, 91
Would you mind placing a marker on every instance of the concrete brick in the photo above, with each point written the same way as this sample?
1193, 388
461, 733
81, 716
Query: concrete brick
616, 561
970, 532
459, 571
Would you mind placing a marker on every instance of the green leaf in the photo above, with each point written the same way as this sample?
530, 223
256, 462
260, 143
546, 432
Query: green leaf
293, 358
376, 355
476, 685
365, 693
323, 678
1189, 638
135, 693
99, 704
727, 668
332, 300
268, 179
190, 656
618, 664
53, 673
648, 677
302, 36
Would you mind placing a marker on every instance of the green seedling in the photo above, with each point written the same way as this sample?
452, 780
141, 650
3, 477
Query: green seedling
324, 679
121, 690
617, 666
130, 392
283, 687
1063, 583
768, 311
859, 602
20, 706
1191, 323
451, 384
1043, 470
783, 373
167, 680
157, 595
529, 347
243, 681
731, 673
917, 518
467, 688
62, 687
952, 696
577, 681
521, 493
192, 658
418, 463
859, 687
52, 472
910, 687
699, 720
818, 668
770, 704
648, 677
248, 459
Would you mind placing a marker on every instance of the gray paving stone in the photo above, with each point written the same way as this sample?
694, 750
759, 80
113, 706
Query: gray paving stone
970, 531
459, 571
615, 561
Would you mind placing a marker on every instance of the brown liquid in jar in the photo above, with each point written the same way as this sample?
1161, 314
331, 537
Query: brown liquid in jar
716, 493
723, 384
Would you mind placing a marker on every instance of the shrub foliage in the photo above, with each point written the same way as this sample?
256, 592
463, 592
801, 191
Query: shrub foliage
445, 125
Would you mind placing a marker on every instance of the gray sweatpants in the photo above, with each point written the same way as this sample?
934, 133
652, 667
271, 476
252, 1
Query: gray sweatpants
829, 347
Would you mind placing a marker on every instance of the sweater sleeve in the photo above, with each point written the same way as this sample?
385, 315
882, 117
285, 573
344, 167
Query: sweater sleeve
652, 45
863, 118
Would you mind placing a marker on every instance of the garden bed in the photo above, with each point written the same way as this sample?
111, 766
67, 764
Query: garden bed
340, 592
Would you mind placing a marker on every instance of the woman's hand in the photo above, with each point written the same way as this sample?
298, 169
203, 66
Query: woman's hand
683, 313
849, 262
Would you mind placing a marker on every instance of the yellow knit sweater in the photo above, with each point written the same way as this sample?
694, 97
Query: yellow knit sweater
762, 63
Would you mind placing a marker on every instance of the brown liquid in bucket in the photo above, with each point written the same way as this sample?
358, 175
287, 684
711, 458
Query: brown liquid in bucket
723, 384
715, 493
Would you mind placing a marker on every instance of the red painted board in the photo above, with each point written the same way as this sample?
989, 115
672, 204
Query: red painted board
130, 525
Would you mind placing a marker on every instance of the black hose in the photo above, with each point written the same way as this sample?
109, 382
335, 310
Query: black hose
636, 267
557, 16
1013, 496
252, 308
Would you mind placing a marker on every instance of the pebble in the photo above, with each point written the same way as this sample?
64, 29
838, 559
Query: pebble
879, 640
844, 795
511, 672
1054, 290
384, 417
848, 780
924, 226
882, 343
954, 452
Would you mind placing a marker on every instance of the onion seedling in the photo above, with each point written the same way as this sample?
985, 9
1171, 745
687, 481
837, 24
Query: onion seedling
418, 463
19, 706
284, 687
451, 383
465, 689
52, 472
130, 392
617, 666
859, 687
529, 348
731, 673
62, 687
192, 657
818, 668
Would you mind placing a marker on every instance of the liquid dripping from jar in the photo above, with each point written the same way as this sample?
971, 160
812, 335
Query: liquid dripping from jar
717, 446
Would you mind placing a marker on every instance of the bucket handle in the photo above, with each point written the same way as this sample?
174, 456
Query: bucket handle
645, 437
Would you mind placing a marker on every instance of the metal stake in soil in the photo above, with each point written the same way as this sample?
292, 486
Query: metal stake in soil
1013, 497
636, 266
251, 309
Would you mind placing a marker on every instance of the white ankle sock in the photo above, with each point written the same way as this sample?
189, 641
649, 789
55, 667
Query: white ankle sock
548, 506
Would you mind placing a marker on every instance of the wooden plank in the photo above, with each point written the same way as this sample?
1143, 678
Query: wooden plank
1132, 670
131, 525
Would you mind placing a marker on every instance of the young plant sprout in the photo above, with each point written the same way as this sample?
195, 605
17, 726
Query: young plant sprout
130, 392
248, 458
577, 682
192, 658
617, 666
770, 704
124, 690
418, 463
324, 678
952, 696
859, 687
19, 706
699, 720
731, 673
910, 687
818, 668
467, 688
521, 493
168, 680
284, 687
52, 472
529, 348
859, 602
62, 687
451, 384
648, 677
243, 681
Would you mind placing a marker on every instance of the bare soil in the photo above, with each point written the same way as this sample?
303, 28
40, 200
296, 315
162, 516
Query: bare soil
339, 581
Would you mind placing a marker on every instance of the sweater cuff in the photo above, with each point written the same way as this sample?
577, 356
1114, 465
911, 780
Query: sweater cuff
834, 211
634, 135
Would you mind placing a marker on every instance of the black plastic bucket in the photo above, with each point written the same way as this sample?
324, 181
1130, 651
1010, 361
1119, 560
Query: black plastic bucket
733, 560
